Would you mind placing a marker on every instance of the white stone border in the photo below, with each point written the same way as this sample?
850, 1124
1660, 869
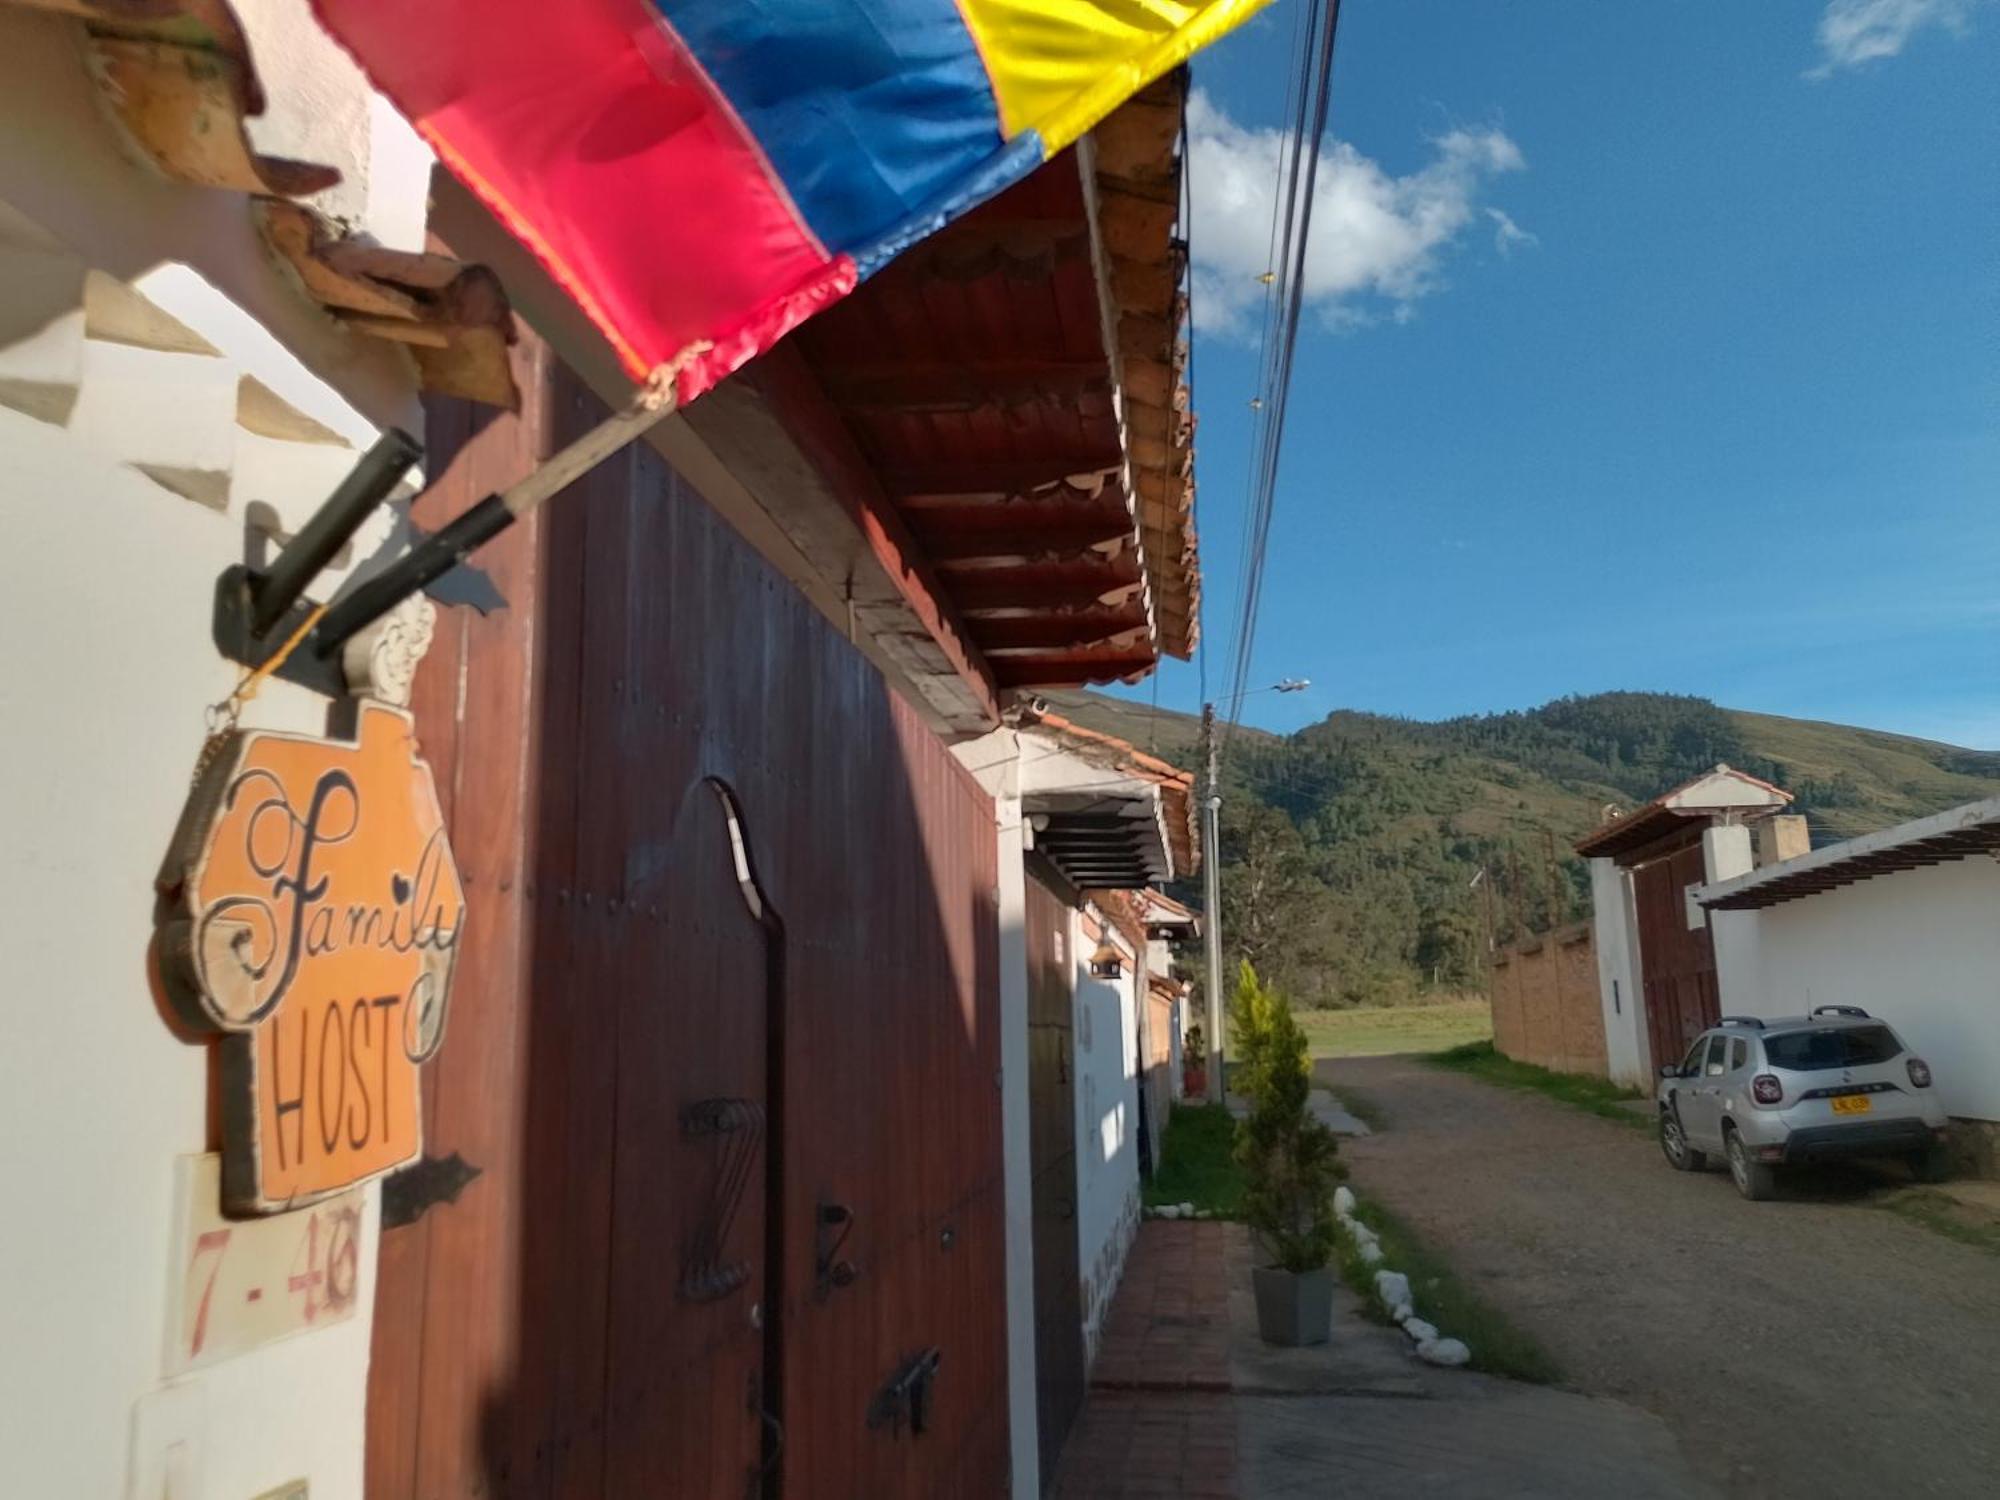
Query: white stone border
1392, 1289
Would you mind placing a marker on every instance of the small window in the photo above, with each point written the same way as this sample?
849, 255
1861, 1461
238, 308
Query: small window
1718, 1056
1739, 1053
1691, 1064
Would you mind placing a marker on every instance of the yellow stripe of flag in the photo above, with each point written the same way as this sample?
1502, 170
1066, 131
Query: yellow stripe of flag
1060, 66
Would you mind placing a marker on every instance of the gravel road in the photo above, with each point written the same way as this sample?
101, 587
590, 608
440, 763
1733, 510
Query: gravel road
1813, 1346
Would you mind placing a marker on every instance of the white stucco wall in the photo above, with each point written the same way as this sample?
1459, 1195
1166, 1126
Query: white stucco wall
1616, 932
1726, 852
995, 760
1920, 948
151, 306
1107, 1129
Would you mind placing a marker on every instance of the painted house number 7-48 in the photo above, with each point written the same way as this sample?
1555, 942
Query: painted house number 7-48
245, 1282
214, 1242
323, 1272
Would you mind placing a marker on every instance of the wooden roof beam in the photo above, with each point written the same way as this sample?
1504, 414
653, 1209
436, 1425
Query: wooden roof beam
1074, 541
952, 385
959, 477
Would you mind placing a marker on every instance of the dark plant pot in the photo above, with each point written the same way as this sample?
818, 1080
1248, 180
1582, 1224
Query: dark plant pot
1194, 1082
1293, 1307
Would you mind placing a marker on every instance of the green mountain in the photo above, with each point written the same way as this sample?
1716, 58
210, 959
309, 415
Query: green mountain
1352, 850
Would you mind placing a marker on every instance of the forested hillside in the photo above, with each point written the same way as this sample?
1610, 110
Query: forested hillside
1350, 850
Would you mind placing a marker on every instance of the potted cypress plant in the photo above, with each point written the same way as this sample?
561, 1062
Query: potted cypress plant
1194, 1063
1291, 1165
1249, 1029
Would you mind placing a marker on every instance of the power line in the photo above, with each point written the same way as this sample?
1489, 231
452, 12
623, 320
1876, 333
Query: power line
1311, 102
1276, 260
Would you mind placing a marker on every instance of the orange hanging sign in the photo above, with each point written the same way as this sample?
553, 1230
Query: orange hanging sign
316, 915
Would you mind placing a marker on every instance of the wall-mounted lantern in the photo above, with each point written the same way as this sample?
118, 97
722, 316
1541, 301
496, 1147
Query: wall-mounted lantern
1107, 962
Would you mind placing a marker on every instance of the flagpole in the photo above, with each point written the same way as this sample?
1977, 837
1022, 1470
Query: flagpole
651, 404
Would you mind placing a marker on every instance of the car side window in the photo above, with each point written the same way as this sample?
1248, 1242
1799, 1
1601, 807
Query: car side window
1718, 1056
1739, 1054
1691, 1064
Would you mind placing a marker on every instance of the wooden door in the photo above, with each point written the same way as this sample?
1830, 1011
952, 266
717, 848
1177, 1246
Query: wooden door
1676, 961
689, 1395
559, 1312
1052, 1153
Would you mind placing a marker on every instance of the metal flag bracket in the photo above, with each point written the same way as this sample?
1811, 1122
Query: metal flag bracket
257, 611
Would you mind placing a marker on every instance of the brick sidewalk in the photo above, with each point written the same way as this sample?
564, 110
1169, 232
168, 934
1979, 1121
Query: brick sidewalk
1159, 1422
1186, 1401
1169, 1323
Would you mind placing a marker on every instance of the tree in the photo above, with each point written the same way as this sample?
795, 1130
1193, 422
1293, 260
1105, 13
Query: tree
1447, 947
1265, 881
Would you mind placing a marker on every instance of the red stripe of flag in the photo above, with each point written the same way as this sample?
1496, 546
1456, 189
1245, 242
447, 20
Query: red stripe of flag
586, 127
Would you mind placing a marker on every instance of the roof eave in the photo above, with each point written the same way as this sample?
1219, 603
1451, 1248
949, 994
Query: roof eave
1955, 834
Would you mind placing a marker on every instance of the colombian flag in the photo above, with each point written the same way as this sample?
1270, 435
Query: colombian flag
716, 171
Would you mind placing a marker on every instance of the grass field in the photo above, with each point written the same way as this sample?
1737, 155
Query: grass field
1377, 1031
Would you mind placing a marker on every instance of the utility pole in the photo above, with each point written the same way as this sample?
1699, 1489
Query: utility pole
1211, 878
1211, 865
1481, 884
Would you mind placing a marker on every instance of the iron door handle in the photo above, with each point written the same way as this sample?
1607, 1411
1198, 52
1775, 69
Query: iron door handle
774, 1445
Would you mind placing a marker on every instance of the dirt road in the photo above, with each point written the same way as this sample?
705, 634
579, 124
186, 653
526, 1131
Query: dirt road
1797, 1348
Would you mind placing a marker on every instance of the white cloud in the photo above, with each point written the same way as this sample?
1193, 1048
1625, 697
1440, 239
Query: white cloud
1376, 238
1854, 32
1507, 235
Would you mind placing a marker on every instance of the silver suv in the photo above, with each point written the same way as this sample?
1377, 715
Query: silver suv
1779, 1093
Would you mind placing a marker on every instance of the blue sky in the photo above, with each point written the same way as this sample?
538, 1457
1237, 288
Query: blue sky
1650, 346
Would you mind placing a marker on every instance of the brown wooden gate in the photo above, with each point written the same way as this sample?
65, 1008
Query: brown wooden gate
1676, 961
1052, 1152
690, 1272
723, 1054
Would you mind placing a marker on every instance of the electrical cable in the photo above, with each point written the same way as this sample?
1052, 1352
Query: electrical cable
1272, 372
1284, 309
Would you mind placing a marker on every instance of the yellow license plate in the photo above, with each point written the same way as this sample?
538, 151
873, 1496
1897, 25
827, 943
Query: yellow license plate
1853, 1104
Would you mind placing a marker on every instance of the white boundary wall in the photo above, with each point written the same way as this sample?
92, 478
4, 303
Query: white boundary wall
1107, 1127
1616, 932
995, 759
136, 460
1919, 948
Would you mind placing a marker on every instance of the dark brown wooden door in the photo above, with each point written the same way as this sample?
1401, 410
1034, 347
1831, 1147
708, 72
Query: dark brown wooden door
687, 1387
1676, 961
1052, 1151
535, 1338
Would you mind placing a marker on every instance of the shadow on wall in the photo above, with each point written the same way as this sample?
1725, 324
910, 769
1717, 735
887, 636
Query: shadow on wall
64, 169
741, 1206
1101, 1046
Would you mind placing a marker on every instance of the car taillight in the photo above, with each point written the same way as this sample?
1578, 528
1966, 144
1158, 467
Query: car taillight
1767, 1090
1920, 1072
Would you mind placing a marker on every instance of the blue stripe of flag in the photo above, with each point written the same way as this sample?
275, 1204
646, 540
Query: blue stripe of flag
877, 115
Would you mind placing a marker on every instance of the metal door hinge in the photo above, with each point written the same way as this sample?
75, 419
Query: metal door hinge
411, 1193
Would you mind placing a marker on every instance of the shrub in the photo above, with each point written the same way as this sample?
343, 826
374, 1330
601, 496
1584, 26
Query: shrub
1249, 1030
1291, 1161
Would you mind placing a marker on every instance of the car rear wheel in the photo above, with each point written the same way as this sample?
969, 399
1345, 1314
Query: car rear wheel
1674, 1145
1932, 1164
1754, 1180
